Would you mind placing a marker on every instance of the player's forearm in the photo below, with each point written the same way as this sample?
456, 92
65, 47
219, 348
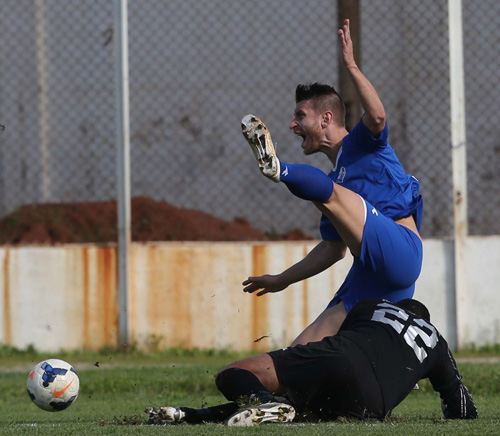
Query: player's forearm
321, 257
374, 110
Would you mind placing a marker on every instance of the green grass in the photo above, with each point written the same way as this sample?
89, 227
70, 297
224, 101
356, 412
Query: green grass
113, 395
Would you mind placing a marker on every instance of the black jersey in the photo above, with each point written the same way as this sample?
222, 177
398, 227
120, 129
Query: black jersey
372, 363
402, 348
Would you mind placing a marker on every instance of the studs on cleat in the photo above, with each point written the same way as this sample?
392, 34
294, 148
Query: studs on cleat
258, 137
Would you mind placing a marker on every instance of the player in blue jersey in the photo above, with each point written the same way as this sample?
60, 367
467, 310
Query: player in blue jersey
369, 204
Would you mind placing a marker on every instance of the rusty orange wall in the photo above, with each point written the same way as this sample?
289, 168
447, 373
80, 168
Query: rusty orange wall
181, 294
190, 294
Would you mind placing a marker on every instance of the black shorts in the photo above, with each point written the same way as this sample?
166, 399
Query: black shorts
329, 378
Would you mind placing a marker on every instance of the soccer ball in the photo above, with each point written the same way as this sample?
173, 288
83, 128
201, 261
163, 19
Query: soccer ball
53, 385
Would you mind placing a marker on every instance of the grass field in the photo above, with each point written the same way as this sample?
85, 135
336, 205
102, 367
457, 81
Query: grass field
114, 393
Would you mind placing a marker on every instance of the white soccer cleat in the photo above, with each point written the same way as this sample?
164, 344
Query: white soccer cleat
164, 415
262, 414
257, 135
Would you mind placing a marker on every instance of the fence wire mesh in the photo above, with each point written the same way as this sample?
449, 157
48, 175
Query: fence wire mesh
195, 69
482, 99
57, 106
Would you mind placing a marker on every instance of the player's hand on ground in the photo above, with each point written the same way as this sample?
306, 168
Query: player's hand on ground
347, 50
266, 283
459, 405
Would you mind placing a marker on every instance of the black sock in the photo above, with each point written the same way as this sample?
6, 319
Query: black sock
210, 414
236, 383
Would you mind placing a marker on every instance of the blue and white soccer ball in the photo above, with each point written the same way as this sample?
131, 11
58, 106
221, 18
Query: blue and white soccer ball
53, 385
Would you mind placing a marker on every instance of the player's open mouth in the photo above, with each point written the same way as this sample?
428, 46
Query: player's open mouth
302, 135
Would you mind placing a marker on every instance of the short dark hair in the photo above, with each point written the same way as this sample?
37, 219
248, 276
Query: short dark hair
325, 98
416, 307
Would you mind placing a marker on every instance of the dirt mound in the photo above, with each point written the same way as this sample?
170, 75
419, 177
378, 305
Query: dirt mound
152, 220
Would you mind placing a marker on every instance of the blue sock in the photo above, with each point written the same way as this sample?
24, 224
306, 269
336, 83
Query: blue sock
306, 182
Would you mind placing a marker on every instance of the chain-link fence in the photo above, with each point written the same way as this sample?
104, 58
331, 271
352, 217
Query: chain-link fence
406, 58
482, 97
196, 67
57, 106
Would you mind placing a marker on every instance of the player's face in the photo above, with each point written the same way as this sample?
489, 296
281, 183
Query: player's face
306, 123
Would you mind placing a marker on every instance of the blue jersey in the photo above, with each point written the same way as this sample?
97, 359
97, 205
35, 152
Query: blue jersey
369, 167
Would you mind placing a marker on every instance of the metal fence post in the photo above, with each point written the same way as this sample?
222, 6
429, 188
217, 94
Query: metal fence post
459, 164
43, 99
123, 158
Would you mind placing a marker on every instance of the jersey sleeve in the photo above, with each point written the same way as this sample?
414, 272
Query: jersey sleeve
444, 375
361, 139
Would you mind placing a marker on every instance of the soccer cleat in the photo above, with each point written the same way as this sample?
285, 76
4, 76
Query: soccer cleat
164, 415
262, 414
257, 135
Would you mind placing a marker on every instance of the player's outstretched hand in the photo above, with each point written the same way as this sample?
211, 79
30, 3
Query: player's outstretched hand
267, 283
347, 53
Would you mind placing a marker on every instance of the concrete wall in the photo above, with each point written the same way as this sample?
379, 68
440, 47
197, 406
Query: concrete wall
189, 294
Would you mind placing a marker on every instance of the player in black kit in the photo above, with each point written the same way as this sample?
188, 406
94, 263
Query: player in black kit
380, 352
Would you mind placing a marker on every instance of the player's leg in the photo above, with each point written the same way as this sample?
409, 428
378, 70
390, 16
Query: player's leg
343, 207
254, 375
177, 415
388, 256
327, 324
256, 380
253, 379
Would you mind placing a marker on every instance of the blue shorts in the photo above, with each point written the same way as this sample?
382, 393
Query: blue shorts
390, 263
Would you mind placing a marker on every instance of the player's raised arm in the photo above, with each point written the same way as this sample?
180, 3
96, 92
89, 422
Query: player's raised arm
374, 117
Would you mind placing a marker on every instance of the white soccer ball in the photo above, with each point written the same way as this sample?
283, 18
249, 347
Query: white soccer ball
53, 385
